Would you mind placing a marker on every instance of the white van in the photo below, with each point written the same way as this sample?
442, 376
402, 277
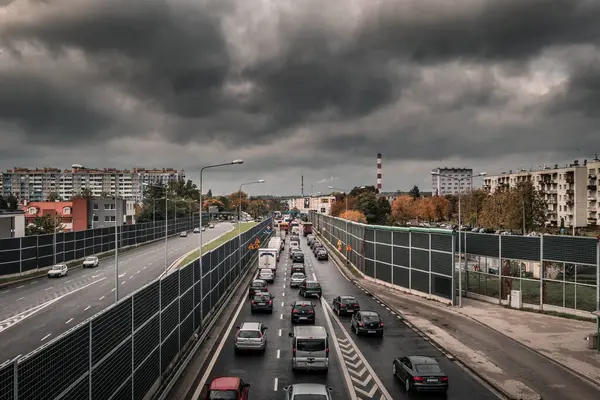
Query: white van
310, 348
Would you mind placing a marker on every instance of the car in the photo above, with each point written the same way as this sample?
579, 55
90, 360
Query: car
312, 391
262, 301
292, 251
420, 374
58, 270
322, 255
296, 279
298, 257
303, 311
211, 226
314, 243
310, 288
310, 238
257, 285
344, 305
203, 229
317, 248
91, 262
226, 387
367, 322
266, 274
298, 268
251, 336
196, 230
183, 234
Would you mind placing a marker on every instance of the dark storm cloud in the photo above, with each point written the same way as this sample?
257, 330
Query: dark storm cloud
581, 94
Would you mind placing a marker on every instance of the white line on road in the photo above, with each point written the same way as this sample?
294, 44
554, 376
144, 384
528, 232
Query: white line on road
6, 291
33, 282
83, 276
69, 321
314, 276
122, 275
284, 285
283, 294
21, 298
279, 335
50, 288
278, 353
276, 384
46, 337
19, 287
122, 283
69, 280
87, 308
112, 290
100, 298
282, 304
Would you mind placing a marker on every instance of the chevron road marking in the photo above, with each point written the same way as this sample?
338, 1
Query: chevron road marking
360, 373
355, 365
347, 351
353, 358
365, 382
370, 394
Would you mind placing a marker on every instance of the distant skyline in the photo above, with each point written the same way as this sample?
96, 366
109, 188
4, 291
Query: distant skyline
297, 88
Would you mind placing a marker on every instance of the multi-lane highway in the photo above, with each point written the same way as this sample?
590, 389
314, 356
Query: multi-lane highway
360, 367
37, 311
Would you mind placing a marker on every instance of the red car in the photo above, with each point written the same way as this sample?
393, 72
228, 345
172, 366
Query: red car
230, 388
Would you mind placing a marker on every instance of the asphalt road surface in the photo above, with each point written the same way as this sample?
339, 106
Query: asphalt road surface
269, 372
35, 312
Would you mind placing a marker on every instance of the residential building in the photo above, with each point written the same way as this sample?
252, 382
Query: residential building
565, 189
73, 215
104, 212
130, 212
451, 181
12, 224
320, 204
37, 184
593, 194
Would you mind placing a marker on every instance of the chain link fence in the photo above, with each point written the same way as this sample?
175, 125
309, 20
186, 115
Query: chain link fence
124, 351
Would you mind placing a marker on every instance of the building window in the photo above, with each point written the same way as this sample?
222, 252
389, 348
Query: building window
95, 218
32, 211
66, 210
96, 206
106, 218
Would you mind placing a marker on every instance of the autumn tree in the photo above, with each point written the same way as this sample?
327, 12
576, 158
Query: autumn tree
425, 208
366, 203
354, 215
257, 208
439, 207
212, 203
234, 201
403, 209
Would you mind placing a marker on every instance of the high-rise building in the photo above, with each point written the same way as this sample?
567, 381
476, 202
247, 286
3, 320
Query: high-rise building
451, 181
37, 184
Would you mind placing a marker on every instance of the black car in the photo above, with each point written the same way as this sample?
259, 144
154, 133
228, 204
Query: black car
298, 257
298, 268
420, 374
262, 302
303, 311
322, 255
257, 285
344, 305
367, 323
310, 288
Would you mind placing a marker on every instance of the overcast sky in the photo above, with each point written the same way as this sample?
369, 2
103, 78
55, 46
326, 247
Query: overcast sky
298, 87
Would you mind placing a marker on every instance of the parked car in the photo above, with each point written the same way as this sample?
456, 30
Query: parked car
227, 387
91, 262
183, 234
310, 288
211, 226
296, 279
251, 336
344, 305
322, 255
257, 285
303, 311
58, 270
367, 323
266, 274
316, 391
262, 302
420, 374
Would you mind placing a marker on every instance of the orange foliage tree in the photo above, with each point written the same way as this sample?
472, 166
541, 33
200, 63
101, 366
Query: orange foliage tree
339, 205
403, 209
354, 215
433, 208
212, 203
234, 201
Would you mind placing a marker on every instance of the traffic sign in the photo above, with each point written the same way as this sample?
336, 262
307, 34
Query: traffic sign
251, 246
348, 248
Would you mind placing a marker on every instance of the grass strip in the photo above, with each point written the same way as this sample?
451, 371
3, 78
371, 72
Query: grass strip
217, 242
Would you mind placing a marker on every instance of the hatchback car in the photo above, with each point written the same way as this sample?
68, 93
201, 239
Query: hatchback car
257, 285
196, 230
251, 336
317, 248
298, 257
303, 311
322, 254
298, 268
266, 274
58, 270
262, 302
226, 387
91, 262
312, 391
310, 288
296, 279
183, 234
344, 305
293, 252
420, 374
367, 323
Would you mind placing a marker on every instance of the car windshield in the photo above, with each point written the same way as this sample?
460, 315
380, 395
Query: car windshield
348, 301
262, 297
310, 345
298, 276
428, 369
89, 259
313, 285
370, 318
304, 307
57, 267
310, 397
249, 334
223, 395
258, 284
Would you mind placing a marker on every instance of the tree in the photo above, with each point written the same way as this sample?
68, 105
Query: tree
209, 193
234, 201
385, 210
403, 209
366, 203
3, 203
439, 205
256, 208
212, 203
12, 203
225, 201
425, 208
84, 193
45, 224
354, 215
53, 196
359, 190
415, 192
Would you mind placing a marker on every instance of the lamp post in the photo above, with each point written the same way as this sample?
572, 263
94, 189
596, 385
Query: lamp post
166, 218
459, 180
240, 219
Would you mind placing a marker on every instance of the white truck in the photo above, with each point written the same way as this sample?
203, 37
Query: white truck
276, 243
267, 258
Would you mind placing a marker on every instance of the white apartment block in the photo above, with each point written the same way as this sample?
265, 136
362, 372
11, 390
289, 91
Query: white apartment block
567, 190
451, 181
320, 204
37, 184
593, 195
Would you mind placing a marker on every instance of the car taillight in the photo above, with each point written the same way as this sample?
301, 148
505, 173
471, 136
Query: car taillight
360, 324
295, 311
311, 312
381, 324
342, 306
444, 379
327, 351
270, 302
418, 379
294, 350
356, 305
252, 301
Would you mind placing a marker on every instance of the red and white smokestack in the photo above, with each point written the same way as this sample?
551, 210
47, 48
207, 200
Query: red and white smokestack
379, 173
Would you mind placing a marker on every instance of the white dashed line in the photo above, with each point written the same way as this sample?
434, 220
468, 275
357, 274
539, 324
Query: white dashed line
85, 275
19, 299
69, 321
6, 291
46, 337
50, 287
278, 353
283, 294
100, 298
87, 308
282, 304
112, 290
279, 335
284, 286
33, 282
19, 287
281, 316
122, 283
276, 384
122, 275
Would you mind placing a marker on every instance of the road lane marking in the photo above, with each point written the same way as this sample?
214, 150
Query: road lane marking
282, 304
46, 337
112, 290
83, 276
87, 308
50, 287
281, 316
275, 384
278, 352
69, 321
314, 276
33, 282
100, 298
279, 335
6, 291
283, 294
122, 283
122, 275
284, 285
19, 287
19, 299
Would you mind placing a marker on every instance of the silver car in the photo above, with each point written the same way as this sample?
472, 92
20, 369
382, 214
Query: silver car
296, 279
91, 262
251, 336
183, 234
58, 270
266, 274
313, 391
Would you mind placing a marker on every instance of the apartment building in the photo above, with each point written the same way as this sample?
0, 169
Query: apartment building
37, 184
104, 212
565, 189
451, 181
320, 204
593, 195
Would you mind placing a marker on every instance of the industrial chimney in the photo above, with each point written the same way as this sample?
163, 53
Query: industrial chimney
379, 173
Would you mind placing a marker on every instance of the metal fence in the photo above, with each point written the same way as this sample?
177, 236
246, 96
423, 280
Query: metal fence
124, 351
418, 259
18, 255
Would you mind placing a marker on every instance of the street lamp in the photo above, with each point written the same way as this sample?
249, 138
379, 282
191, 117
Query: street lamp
240, 219
166, 217
479, 175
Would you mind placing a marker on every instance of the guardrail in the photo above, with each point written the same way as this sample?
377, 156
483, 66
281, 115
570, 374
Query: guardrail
125, 351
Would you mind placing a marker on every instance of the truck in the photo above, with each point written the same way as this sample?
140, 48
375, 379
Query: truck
267, 258
276, 243
307, 228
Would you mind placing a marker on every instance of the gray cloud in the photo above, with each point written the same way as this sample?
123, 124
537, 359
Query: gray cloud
298, 88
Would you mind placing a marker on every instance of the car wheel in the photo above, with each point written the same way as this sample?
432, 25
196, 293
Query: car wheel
394, 370
407, 385
338, 312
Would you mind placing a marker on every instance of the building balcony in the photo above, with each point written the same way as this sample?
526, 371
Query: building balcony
592, 176
592, 187
570, 191
570, 203
551, 201
569, 179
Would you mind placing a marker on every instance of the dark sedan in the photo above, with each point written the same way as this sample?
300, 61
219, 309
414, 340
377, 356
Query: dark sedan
303, 311
367, 323
344, 305
322, 255
262, 302
420, 374
257, 285
298, 257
